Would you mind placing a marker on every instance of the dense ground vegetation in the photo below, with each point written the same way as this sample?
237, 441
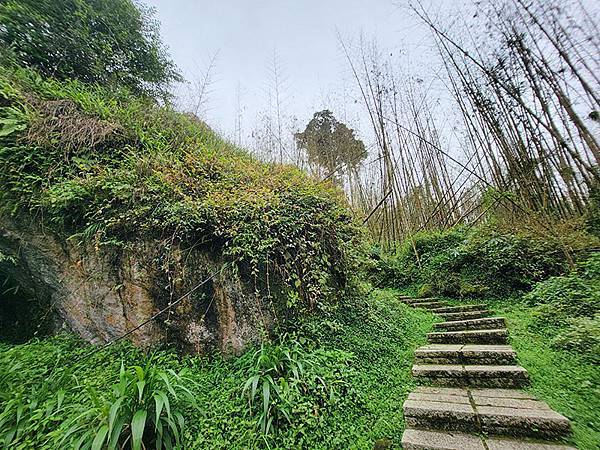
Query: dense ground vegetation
474, 262
566, 377
336, 382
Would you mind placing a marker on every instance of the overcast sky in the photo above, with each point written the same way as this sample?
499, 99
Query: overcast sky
302, 33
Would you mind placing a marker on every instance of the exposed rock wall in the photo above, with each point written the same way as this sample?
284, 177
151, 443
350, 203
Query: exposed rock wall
100, 294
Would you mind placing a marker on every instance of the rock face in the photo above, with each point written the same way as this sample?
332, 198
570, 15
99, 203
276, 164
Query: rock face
100, 294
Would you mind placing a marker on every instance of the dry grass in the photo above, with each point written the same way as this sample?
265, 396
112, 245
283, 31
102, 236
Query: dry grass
60, 123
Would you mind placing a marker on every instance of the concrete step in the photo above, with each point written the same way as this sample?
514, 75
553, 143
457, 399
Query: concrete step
465, 354
497, 337
501, 414
480, 392
459, 308
484, 323
503, 376
413, 439
465, 315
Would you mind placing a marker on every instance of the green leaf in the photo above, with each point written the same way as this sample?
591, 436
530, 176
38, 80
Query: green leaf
266, 395
138, 423
100, 438
116, 432
9, 126
159, 402
140, 387
112, 414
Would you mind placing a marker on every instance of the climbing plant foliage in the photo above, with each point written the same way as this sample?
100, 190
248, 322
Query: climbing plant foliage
111, 168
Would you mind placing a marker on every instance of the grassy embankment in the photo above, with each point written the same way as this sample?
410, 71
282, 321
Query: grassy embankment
362, 354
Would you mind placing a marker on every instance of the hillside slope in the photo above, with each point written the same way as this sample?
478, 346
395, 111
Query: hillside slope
114, 207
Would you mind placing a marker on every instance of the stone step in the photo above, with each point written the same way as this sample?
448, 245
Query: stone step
465, 354
466, 315
416, 301
503, 443
480, 392
484, 323
429, 305
459, 308
469, 337
503, 376
465, 411
413, 439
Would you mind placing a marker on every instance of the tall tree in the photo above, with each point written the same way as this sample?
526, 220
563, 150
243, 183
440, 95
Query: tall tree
331, 145
113, 42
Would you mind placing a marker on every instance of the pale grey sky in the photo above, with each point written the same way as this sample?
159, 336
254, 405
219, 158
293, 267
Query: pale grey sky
303, 33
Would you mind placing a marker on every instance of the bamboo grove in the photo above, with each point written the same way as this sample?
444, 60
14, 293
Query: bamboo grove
529, 113
520, 83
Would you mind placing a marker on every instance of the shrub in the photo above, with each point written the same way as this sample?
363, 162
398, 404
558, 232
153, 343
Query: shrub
576, 294
566, 308
287, 381
472, 263
48, 400
581, 335
142, 408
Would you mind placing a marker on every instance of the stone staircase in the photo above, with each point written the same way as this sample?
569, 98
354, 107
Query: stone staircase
469, 397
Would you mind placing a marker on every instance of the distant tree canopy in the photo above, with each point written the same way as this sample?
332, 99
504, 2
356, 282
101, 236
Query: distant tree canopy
330, 144
110, 42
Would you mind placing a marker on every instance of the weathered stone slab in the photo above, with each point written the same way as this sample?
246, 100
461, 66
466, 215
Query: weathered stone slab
438, 440
440, 397
509, 402
414, 301
465, 315
501, 393
497, 443
535, 423
484, 323
429, 305
487, 348
496, 371
460, 308
499, 336
441, 390
440, 348
438, 370
471, 375
439, 415
488, 354
470, 354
